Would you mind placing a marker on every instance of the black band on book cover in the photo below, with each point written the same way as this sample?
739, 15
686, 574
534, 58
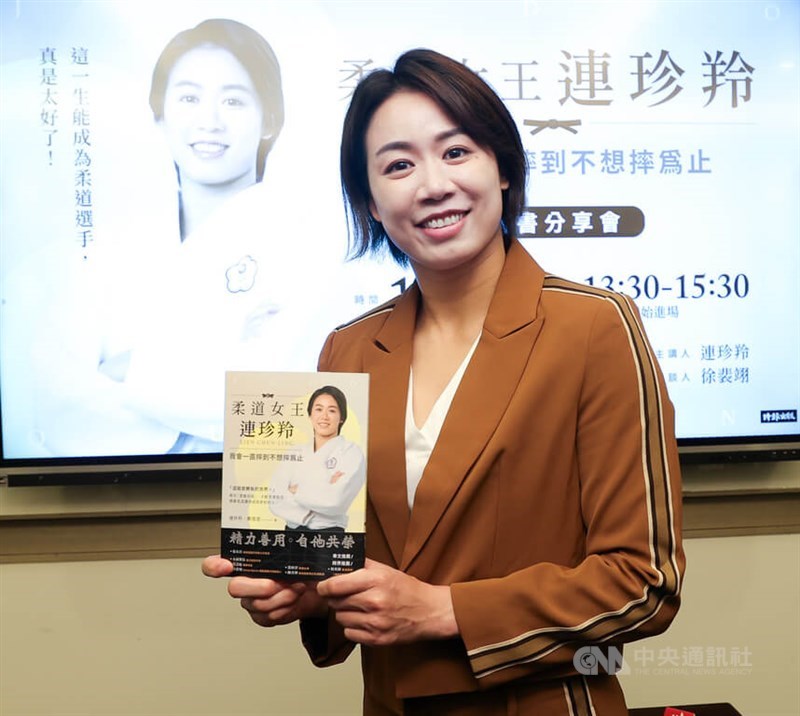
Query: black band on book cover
293, 553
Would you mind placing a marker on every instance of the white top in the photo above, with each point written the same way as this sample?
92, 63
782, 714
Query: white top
421, 441
316, 492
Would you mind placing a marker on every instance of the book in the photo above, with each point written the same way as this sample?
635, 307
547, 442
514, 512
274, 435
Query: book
294, 467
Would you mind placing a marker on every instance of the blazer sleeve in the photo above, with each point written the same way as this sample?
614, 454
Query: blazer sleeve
531, 623
324, 641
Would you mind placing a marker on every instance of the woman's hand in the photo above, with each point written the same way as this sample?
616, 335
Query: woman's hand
379, 605
268, 601
216, 566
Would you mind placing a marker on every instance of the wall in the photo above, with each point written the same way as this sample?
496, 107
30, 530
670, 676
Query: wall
153, 637
740, 601
150, 638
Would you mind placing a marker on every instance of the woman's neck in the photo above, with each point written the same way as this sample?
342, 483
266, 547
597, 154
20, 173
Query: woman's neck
450, 317
456, 302
200, 201
319, 442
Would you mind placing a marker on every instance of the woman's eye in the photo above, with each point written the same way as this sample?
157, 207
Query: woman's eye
455, 153
233, 102
398, 166
188, 99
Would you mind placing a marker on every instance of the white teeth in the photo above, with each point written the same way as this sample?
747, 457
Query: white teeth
207, 147
446, 221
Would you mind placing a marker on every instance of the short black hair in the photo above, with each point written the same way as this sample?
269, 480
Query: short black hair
464, 97
251, 50
337, 395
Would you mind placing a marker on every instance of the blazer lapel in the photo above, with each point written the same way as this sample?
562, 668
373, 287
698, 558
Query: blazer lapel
388, 362
510, 331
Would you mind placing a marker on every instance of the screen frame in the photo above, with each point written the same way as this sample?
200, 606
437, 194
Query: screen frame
207, 466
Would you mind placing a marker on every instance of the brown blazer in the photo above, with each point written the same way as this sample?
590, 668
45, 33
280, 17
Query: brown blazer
551, 503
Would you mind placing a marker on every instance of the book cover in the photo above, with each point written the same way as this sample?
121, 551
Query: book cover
294, 469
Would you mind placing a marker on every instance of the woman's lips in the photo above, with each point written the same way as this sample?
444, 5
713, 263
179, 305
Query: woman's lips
208, 150
443, 226
439, 222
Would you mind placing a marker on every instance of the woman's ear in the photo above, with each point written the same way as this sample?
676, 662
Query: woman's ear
373, 210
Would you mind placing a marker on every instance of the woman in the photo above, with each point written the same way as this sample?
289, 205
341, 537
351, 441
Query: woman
182, 281
524, 504
316, 493
216, 95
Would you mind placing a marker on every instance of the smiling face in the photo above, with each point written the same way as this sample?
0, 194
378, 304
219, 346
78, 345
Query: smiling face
437, 193
212, 119
326, 418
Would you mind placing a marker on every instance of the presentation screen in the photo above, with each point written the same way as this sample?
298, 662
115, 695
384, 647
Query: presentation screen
170, 205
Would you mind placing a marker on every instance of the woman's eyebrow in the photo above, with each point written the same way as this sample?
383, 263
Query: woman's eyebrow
185, 83
225, 88
240, 88
449, 134
405, 146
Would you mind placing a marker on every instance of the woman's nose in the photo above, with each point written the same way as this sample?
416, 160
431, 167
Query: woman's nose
435, 181
208, 116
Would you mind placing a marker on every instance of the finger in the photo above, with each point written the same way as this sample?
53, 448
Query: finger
272, 619
361, 636
279, 609
267, 619
286, 598
370, 601
284, 615
344, 585
215, 566
241, 587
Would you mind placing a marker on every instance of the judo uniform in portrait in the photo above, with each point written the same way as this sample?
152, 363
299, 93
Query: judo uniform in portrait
316, 491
